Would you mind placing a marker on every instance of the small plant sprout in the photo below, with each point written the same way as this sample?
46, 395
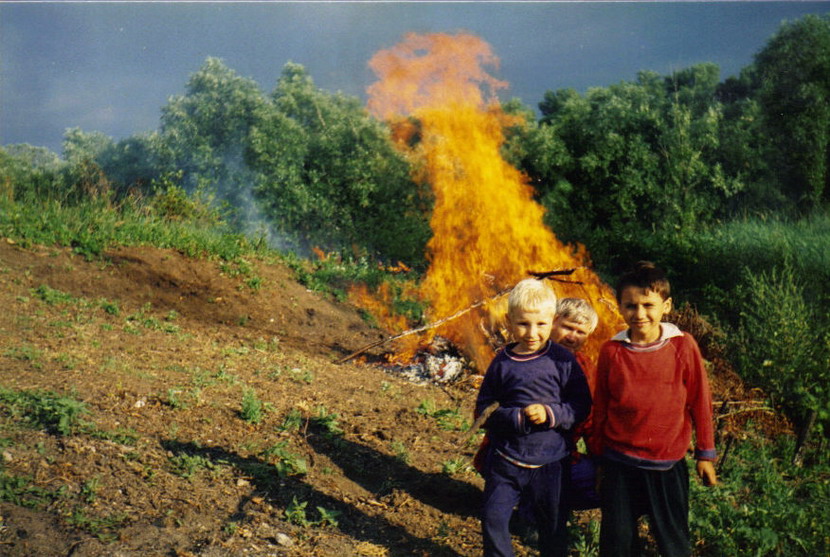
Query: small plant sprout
327, 517
401, 452
252, 408
292, 421
455, 466
295, 513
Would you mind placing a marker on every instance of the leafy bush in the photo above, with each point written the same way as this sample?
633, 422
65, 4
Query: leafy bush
762, 506
781, 343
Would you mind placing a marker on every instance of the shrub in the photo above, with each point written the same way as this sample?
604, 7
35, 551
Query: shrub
781, 343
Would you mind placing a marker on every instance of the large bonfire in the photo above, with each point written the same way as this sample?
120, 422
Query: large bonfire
488, 232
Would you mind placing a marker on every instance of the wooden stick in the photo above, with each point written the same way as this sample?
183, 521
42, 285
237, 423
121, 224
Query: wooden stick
423, 328
540, 275
478, 423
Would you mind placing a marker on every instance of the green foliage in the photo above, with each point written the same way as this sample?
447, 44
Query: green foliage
783, 342
252, 409
454, 466
793, 70
292, 420
19, 490
286, 462
204, 132
328, 422
630, 159
295, 513
447, 419
329, 175
92, 226
186, 465
52, 296
43, 409
762, 505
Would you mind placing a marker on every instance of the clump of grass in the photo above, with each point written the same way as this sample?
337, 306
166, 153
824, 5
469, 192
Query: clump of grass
252, 408
52, 296
292, 421
286, 462
186, 465
446, 418
455, 466
44, 409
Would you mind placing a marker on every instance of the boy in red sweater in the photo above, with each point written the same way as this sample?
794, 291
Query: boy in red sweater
651, 391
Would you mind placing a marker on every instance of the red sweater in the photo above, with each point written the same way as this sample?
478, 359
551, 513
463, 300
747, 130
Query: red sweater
648, 399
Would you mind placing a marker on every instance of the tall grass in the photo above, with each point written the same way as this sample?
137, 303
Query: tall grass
92, 226
707, 265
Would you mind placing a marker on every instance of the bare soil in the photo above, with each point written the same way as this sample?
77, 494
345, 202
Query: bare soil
162, 349
164, 379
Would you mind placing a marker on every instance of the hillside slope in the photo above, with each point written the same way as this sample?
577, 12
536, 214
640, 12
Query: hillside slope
217, 422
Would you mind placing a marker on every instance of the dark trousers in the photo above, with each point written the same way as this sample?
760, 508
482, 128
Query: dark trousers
627, 493
505, 484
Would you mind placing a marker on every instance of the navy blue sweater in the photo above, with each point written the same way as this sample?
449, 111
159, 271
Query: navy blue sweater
550, 377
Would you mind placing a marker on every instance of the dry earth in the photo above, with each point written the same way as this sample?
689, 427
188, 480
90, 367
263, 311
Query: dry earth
169, 466
162, 349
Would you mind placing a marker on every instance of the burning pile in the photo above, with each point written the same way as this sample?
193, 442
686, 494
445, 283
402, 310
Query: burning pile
488, 231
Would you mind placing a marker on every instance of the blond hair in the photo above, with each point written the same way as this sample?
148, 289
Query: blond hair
531, 295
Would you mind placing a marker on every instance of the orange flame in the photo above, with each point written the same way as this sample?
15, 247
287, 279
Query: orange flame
488, 231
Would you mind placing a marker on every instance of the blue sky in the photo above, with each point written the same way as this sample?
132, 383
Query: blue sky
110, 67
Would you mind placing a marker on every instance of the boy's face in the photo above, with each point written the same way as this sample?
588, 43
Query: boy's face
643, 310
569, 333
530, 328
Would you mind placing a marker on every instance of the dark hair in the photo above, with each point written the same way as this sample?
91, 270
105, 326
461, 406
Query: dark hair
646, 275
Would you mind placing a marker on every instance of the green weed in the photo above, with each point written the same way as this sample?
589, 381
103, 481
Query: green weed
446, 418
20, 491
454, 466
44, 409
328, 422
763, 505
292, 421
401, 452
252, 408
186, 465
51, 296
101, 527
295, 513
89, 489
287, 463
327, 517
26, 353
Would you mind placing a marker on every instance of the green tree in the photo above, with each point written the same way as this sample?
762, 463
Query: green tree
204, 132
794, 73
80, 146
632, 159
745, 148
133, 164
28, 172
329, 176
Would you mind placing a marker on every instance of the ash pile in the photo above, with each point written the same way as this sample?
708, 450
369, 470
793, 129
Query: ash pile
440, 363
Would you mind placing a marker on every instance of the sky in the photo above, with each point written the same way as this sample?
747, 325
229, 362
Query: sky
111, 66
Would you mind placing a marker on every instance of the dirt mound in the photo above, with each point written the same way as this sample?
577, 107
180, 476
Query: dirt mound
163, 350
216, 419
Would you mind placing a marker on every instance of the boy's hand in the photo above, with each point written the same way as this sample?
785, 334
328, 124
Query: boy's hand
706, 472
536, 414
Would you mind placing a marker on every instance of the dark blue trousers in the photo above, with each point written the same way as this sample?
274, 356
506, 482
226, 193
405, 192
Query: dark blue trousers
505, 484
628, 493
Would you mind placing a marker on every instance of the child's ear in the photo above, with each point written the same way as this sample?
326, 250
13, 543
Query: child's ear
667, 306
